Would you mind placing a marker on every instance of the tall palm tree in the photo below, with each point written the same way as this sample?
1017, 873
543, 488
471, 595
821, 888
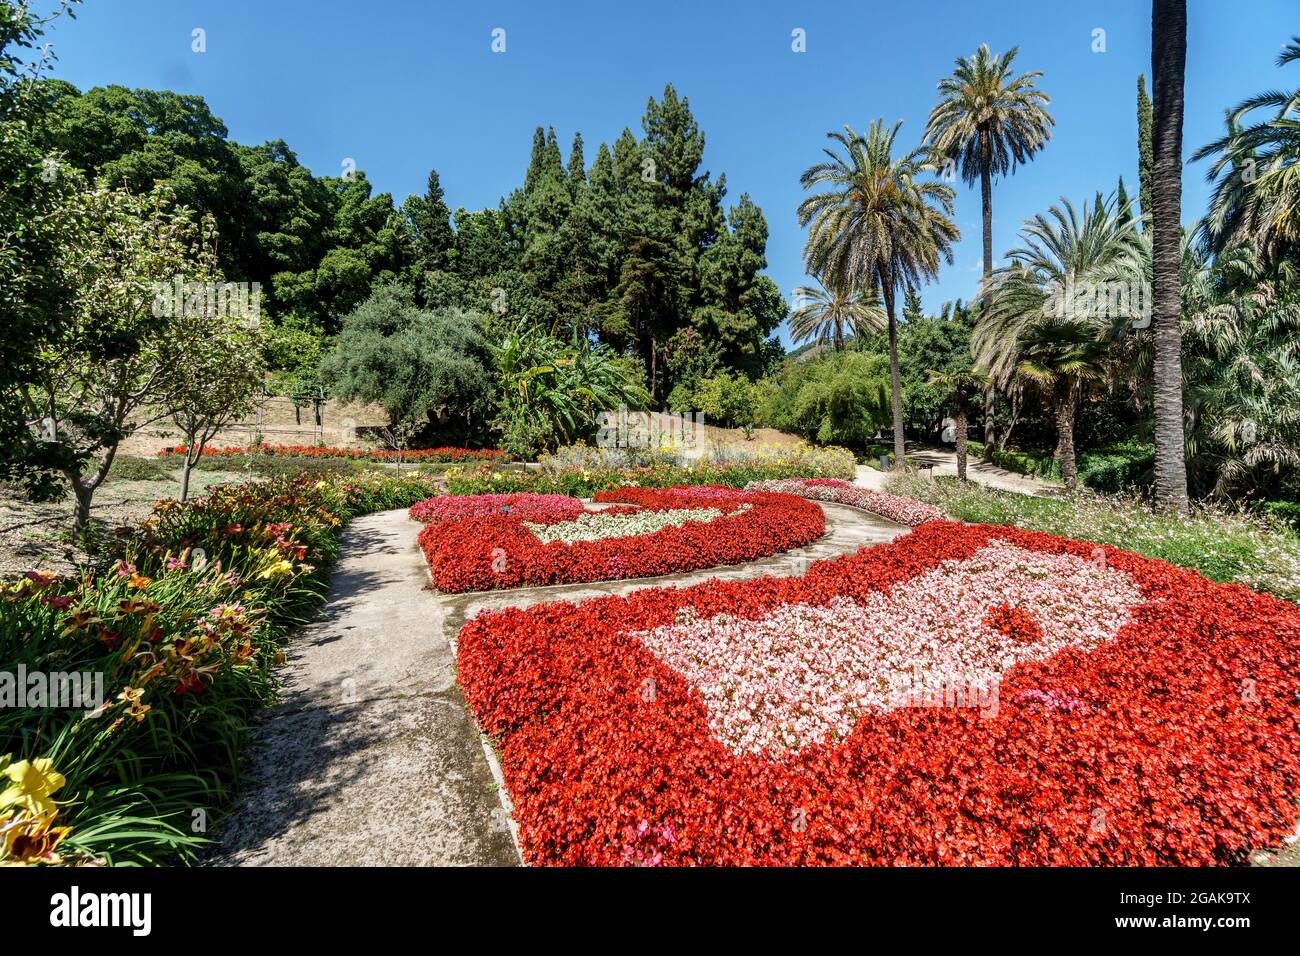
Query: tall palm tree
827, 313
987, 121
876, 222
1040, 323
1256, 173
1168, 63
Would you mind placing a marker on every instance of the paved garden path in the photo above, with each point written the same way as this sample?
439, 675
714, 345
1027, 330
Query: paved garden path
372, 757
942, 461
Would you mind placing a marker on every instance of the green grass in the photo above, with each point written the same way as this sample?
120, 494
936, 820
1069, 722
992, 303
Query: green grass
1222, 544
127, 468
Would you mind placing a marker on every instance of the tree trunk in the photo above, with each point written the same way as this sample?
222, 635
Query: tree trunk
1063, 402
986, 202
895, 380
1168, 62
961, 441
1005, 437
186, 467
81, 513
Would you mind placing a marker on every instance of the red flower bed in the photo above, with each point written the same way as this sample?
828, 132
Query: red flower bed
523, 505
437, 455
499, 551
1175, 740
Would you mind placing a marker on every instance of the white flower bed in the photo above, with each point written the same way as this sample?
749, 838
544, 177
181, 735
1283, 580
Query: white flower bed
596, 525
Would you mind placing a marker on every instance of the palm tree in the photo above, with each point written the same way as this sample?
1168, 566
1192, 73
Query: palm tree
959, 387
1168, 62
1256, 173
826, 313
1041, 323
875, 223
1241, 338
987, 122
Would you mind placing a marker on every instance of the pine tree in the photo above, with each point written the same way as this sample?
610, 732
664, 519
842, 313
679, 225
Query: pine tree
912, 310
431, 234
1122, 205
537, 160
577, 166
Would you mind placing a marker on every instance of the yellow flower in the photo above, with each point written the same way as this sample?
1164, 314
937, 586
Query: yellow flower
277, 569
32, 783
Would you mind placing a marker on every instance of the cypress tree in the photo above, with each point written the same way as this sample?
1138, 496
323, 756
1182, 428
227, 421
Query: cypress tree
1145, 152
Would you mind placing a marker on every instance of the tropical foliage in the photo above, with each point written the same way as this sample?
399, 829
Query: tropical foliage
876, 222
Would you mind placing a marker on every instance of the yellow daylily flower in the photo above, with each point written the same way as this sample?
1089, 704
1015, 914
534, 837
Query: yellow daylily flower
277, 569
32, 783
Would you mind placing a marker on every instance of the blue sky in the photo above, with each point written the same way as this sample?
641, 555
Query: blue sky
403, 85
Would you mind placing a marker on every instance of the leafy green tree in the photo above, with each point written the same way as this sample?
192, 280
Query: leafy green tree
692, 357
36, 217
111, 370
420, 366
216, 371
876, 224
925, 345
1145, 160
841, 398
728, 400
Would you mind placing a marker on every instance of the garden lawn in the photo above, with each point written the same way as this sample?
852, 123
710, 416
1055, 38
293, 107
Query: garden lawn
965, 695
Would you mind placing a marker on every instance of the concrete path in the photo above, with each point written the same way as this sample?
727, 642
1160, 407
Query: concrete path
943, 461
372, 757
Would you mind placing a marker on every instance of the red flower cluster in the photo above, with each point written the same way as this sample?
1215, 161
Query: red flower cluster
479, 554
436, 455
1016, 623
1177, 742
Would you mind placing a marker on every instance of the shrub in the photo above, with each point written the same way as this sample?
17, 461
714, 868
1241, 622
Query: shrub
1110, 469
733, 469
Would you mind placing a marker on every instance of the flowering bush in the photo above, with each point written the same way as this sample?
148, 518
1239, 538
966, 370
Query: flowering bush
503, 550
523, 505
583, 481
177, 639
436, 455
906, 511
1152, 719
